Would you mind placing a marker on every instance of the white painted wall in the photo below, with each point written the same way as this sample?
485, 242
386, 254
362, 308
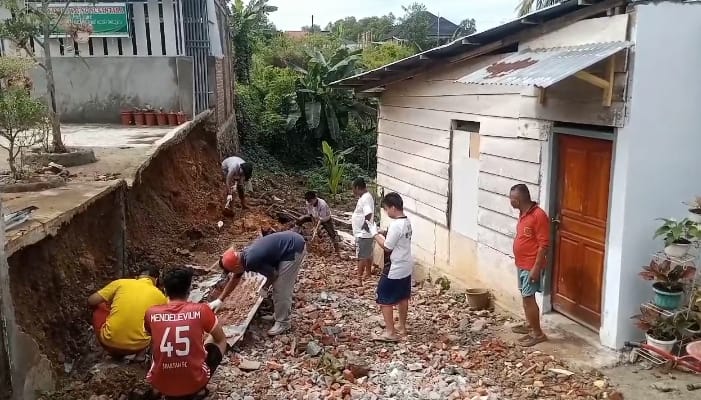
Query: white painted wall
657, 155
464, 189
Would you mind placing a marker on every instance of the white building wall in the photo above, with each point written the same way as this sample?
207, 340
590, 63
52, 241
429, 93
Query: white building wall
657, 158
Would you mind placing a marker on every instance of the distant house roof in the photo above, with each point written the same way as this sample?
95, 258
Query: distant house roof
480, 43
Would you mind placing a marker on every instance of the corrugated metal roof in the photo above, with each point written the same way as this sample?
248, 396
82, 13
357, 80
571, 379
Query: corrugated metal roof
543, 67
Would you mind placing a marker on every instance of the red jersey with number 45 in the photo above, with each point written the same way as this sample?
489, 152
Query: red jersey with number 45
177, 339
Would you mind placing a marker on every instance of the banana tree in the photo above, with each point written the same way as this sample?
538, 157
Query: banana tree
526, 6
324, 110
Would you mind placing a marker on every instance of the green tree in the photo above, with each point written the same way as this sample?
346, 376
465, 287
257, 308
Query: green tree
34, 22
526, 6
250, 24
351, 28
467, 27
313, 28
414, 26
382, 54
324, 110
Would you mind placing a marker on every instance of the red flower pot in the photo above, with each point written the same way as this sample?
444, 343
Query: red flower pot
172, 118
182, 118
127, 117
162, 119
139, 118
150, 118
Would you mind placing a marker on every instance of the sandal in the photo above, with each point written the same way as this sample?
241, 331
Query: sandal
384, 338
532, 341
521, 329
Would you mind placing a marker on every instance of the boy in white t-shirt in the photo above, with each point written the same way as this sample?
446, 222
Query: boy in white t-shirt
363, 217
394, 288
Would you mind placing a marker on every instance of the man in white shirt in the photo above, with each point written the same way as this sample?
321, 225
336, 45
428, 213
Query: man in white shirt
394, 288
237, 173
318, 209
363, 216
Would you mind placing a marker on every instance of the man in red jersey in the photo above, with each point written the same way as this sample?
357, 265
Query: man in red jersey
182, 362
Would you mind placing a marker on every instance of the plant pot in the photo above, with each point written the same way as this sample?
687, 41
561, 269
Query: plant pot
182, 118
139, 118
677, 250
478, 299
162, 119
664, 345
127, 117
693, 331
172, 119
695, 215
666, 299
150, 118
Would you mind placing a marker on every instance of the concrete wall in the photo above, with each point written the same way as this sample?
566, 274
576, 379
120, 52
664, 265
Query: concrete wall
95, 89
656, 155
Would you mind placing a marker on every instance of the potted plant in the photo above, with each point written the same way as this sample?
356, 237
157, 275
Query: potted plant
668, 277
127, 117
660, 332
162, 118
182, 118
150, 115
688, 325
172, 118
139, 117
677, 236
695, 210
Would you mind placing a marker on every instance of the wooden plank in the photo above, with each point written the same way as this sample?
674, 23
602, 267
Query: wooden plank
422, 88
404, 188
594, 30
113, 46
436, 168
513, 148
154, 22
440, 138
169, 27
417, 177
496, 240
562, 110
496, 202
493, 105
500, 185
140, 29
516, 169
497, 222
416, 148
592, 79
98, 46
430, 213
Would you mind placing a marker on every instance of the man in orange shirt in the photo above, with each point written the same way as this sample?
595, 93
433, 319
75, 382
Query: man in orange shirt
530, 248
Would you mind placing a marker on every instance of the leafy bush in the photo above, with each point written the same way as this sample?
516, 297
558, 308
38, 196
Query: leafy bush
335, 164
385, 53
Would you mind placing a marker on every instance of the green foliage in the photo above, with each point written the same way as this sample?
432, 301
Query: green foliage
384, 53
250, 24
335, 165
21, 118
351, 29
526, 6
466, 27
680, 232
13, 67
414, 26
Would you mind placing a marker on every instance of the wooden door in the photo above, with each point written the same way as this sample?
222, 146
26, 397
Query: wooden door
580, 235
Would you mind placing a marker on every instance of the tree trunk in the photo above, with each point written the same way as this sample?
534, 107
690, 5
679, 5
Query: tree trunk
57, 146
11, 158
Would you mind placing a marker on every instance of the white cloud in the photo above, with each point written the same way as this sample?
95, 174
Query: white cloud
293, 14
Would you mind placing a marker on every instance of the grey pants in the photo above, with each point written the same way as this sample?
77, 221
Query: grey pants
283, 287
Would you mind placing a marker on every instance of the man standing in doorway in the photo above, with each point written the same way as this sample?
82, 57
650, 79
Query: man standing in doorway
530, 248
363, 216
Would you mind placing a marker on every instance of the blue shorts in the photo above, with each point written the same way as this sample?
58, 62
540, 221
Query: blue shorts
525, 285
392, 291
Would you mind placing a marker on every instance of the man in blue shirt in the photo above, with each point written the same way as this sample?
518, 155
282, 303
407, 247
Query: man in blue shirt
278, 256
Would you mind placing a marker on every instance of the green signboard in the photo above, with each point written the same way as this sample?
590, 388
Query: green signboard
101, 19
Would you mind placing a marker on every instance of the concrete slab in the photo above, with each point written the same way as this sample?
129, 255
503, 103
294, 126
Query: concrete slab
54, 208
105, 135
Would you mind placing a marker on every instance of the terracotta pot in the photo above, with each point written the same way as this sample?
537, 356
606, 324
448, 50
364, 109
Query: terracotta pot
172, 119
150, 118
162, 119
139, 118
182, 118
127, 117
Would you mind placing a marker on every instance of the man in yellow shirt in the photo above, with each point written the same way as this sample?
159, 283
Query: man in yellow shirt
120, 307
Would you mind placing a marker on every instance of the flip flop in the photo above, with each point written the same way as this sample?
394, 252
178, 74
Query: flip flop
521, 330
532, 341
524, 338
385, 339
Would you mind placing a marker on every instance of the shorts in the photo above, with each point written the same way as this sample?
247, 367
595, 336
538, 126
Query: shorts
364, 248
213, 359
525, 285
99, 318
392, 291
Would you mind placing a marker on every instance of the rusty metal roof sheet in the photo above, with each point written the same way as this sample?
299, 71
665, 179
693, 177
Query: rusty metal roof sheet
543, 67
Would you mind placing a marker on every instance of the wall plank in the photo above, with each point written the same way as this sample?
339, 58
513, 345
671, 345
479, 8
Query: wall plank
496, 240
409, 146
516, 169
500, 185
127, 47
417, 177
98, 46
440, 138
447, 88
169, 27
492, 105
433, 167
154, 22
429, 198
497, 222
140, 29
496, 203
517, 149
113, 47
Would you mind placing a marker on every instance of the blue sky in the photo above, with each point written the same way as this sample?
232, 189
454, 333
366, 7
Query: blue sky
293, 14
